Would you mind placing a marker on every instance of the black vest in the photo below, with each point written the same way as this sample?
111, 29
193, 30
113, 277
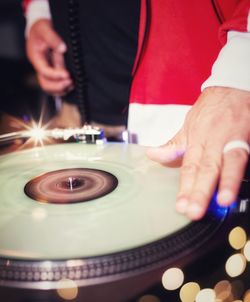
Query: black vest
101, 36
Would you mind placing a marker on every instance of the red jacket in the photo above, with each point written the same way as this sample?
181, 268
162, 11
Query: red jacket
176, 54
178, 44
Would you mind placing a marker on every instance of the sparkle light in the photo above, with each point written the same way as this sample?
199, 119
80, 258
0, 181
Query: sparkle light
206, 295
189, 291
246, 251
37, 133
172, 278
67, 289
235, 265
237, 238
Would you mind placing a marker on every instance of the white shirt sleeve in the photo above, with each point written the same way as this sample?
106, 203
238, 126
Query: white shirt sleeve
37, 9
232, 67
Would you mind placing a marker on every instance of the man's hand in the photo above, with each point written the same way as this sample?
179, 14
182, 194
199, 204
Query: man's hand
45, 50
219, 116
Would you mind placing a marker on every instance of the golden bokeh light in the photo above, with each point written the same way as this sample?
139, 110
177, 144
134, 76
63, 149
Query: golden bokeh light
237, 238
67, 289
235, 265
206, 295
246, 250
189, 291
247, 296
172, 278
149, 298
223, 291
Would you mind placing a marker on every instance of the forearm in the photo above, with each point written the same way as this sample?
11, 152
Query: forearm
231, 69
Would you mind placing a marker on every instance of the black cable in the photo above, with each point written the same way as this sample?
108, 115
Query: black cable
78, 59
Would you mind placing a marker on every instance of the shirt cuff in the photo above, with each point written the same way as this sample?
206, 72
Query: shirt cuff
232, 67
37, 9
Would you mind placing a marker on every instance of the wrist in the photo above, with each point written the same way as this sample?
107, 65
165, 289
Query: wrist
36, 10
231, 69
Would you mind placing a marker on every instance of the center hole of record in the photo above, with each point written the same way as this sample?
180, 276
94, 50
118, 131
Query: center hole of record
68, 186
71, 183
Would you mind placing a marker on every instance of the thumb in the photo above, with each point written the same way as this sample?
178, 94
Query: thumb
58, 60
54, 41
171, 153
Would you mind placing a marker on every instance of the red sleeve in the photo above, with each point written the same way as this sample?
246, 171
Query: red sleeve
240, 21
25, 4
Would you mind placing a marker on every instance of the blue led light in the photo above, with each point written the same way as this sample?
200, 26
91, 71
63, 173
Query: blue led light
218, 210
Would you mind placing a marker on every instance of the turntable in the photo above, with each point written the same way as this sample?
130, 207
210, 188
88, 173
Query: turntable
96, 218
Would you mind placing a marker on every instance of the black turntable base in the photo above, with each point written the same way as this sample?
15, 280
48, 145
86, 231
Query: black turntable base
93, 223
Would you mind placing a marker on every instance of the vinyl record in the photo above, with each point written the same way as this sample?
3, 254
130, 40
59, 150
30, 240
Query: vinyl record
96, 214
140, 209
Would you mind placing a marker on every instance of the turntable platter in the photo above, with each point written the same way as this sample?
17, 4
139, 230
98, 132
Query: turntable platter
138, 211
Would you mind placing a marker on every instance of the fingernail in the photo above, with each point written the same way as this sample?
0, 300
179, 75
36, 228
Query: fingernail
225, 197
61, 47
194, 211
161, 154
181, 205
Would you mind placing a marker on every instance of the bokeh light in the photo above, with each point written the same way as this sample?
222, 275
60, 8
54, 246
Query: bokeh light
189, 291
206, 295
247, 296
235, 265
237, 238
246, 251
172, 278
223, 291
67, 289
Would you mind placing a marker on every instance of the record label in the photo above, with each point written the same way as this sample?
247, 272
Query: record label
71, 185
